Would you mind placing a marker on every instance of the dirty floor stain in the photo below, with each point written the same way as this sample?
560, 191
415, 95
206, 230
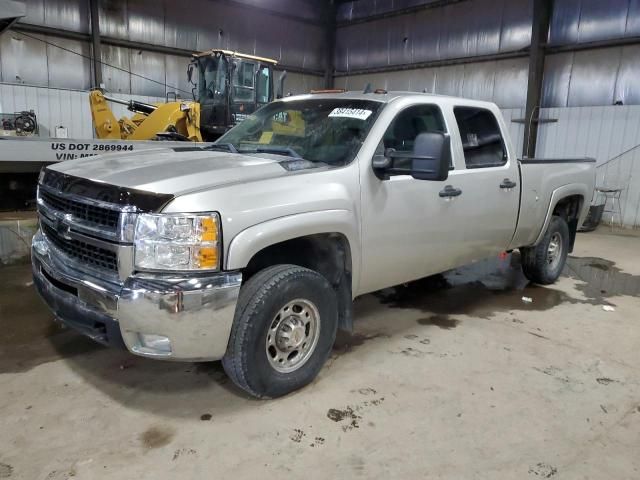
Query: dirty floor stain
5, 470
440, 321
156, 437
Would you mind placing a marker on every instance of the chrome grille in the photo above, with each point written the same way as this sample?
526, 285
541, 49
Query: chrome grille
89, 214
90, 255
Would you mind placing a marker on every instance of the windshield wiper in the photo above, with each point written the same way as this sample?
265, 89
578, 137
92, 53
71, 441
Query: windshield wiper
288, 151
222, 146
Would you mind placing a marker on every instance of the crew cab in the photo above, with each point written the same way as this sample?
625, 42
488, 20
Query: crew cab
251, 250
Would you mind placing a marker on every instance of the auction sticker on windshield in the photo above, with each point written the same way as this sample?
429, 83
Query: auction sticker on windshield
357, 113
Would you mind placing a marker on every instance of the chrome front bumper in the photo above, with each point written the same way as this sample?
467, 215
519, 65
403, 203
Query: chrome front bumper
157, 316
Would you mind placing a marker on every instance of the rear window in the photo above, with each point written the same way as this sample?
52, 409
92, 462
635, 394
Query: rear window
482, 140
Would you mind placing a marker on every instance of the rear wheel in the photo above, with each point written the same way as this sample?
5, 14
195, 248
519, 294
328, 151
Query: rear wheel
544, 263
283, 331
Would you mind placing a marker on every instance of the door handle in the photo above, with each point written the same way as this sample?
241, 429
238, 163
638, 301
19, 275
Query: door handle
450, 192
508, 184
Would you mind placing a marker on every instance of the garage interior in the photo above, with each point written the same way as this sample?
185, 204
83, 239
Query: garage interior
472, 374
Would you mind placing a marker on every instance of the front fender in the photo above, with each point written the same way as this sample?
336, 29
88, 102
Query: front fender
250, 241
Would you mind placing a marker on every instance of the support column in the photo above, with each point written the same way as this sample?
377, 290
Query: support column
542, 10
330, 40
95, 43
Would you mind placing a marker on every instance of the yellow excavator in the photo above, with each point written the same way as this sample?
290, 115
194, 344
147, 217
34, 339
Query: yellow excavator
229, 87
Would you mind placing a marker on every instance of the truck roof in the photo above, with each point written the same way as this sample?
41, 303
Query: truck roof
387, 97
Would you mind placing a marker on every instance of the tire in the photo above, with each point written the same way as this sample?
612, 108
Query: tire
537, 263
255, 358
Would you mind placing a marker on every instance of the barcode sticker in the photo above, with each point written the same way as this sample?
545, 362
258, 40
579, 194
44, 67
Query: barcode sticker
356, 113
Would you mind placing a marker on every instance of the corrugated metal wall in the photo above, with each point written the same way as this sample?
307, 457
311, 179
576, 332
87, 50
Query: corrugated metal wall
200, 25
603, 133
503, 82
458, 30
482, 27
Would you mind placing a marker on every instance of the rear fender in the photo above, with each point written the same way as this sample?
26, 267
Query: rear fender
559, 194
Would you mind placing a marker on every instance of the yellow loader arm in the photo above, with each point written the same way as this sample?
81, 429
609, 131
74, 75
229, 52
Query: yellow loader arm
173, 118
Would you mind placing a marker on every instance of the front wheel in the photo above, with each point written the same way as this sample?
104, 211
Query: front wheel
283, 331
544, 263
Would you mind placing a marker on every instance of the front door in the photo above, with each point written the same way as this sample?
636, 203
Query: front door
408, 230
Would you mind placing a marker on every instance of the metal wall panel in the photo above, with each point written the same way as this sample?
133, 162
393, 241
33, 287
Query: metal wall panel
516, 25
180, 25
176, 76
479, 81
145, 20
67, 70
307, 9
593, 77
24, 59
426, 35
113, 18
297, 83
557, 77
151, 66
503, 82
511, 80
70, 15
364, 8
35, 12
627, 87
602, 132
458, 30
116, 80
579, 21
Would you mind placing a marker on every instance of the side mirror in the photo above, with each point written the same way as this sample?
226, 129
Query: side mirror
190, 73
280, 92
431, 157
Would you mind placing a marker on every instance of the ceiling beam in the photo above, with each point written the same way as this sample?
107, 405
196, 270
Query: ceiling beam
399, 12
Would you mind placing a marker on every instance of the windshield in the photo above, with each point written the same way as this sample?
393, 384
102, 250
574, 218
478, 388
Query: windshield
319, 130
212, 78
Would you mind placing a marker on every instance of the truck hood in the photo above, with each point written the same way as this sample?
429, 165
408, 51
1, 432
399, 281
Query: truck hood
178, 171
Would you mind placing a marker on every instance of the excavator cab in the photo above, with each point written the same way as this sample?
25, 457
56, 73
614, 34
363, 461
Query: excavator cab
229, 87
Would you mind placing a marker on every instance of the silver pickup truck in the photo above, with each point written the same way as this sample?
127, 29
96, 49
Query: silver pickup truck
253, 249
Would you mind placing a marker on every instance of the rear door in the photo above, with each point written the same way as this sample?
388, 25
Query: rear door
489, 180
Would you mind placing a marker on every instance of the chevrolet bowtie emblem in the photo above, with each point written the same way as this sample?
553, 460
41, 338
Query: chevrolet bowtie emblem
63, 229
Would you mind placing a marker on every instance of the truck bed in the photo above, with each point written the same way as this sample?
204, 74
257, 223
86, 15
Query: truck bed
544, 180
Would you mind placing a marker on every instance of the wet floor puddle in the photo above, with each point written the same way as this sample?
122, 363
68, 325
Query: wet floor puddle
498, 285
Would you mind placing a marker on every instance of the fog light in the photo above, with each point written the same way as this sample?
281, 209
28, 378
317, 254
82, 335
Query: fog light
149, 344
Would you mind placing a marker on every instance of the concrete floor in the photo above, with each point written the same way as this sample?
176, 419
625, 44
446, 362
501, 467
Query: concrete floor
456, 377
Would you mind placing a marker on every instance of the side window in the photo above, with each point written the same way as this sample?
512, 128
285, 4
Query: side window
482, 140
243, 81
264, 81
410, 123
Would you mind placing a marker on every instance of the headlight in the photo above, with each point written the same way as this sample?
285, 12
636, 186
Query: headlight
177, 242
